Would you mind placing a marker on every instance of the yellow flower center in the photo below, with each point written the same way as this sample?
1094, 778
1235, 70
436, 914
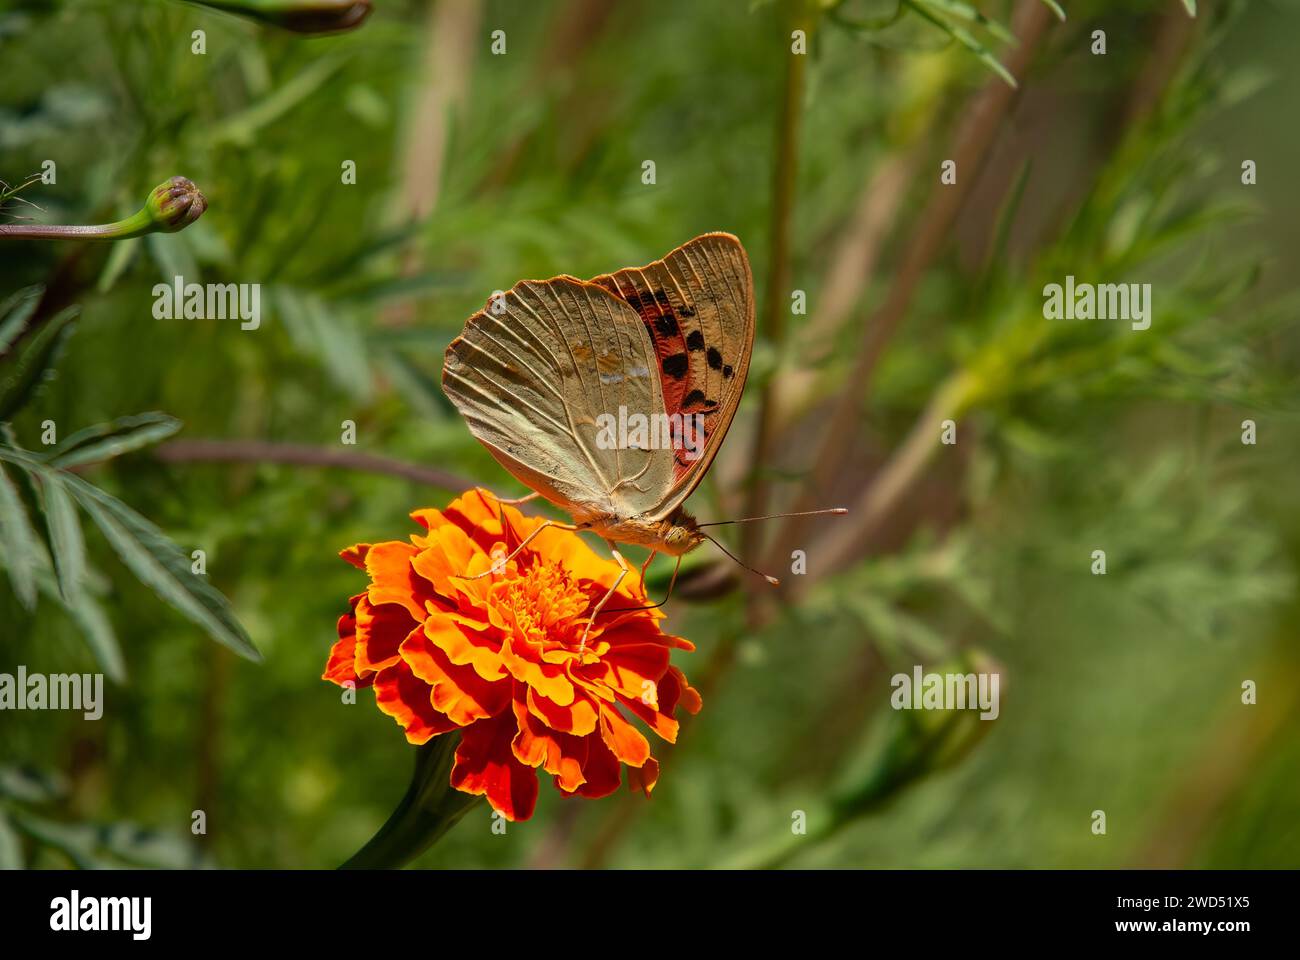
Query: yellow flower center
545, 603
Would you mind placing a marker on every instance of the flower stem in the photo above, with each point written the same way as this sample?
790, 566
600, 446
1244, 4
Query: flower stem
430, 808
136, 225
171, 206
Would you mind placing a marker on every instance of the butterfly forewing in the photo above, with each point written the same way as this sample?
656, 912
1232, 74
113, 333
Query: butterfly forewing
697, 306
533, 371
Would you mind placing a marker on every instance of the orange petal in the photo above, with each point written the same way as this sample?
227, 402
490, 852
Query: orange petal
557, 753
458, 692
548, 679
448, 552
625, 740
661, 723
476, 513
341, 667
428, 517
674, 688
630, 667
380, 631
485, 764
641, 629
645, 778
463, 646
356, 555
578, 718
405, 698
393, 580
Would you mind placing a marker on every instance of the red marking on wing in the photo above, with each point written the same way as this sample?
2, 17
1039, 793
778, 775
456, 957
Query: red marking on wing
663, 321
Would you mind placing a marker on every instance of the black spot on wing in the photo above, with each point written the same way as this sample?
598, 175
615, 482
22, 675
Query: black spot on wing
695, 341
666, 325
727, 372
715, 358
676, 365
698, 400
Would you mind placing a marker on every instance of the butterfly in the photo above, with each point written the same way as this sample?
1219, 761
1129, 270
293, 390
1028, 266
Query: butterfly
552, 375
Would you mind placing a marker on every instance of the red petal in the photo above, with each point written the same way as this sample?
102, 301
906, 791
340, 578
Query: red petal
405, 698
485, 764
557, 753
622, 738
601, 770
380, 631
458, 691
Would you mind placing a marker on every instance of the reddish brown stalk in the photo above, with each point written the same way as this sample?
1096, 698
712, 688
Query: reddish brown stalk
776, 302
302, 455
970, 149
449, 46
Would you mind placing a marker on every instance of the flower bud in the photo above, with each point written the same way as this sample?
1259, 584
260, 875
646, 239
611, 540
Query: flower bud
171, 206
916, 743
300, 16
175, 204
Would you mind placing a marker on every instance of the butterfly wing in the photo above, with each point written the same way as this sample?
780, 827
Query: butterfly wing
697, 305
533, 370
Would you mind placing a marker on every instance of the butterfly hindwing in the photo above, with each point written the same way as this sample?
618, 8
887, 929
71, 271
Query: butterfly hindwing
533, 371
697, 306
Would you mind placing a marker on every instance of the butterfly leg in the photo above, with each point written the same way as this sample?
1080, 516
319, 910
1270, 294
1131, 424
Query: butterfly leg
623, 570
500, 564
645, 566
650, 606
517, 500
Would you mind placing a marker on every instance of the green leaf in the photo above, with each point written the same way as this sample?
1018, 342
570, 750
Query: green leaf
100, 636
1055, 8
76, 840
161, 565
1191, 7
997, 257
965, 11
119, 258
241, 128
171, 253
19, 542
105, 441
30, 785
869, 25
95, 626
35, 363
105, 846
964, 37
66, 541
421, 391
11, 848
14, 314
317, 328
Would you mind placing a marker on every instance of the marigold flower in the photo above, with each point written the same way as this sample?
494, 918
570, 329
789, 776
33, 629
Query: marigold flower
500, 658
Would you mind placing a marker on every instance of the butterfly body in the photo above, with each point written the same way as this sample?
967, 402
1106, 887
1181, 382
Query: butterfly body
675, 536
611, 397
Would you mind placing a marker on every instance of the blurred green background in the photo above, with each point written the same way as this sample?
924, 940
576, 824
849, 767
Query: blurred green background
1120, 692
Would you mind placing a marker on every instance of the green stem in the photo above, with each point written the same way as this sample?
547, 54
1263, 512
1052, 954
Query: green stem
136, 225
429, 809
172, 205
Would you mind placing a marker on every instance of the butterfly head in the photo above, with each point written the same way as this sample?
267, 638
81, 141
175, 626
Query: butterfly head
681, 534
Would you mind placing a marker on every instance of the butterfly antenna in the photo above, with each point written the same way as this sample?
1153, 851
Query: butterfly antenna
772, 580
775, 516
650, 606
